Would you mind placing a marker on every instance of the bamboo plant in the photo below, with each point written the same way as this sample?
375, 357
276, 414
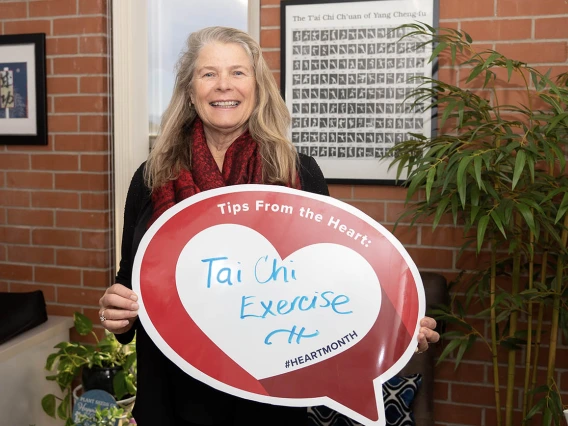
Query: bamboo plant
499, 172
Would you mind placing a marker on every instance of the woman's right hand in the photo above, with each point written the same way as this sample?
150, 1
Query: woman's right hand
119, 309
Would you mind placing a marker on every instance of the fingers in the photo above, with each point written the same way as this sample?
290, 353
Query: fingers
428, 322
427, 334
118, 308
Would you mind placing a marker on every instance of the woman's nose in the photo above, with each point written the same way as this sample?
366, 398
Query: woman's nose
224, 82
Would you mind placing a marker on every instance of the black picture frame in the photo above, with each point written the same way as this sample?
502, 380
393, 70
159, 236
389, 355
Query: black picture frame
323, 76
23, 100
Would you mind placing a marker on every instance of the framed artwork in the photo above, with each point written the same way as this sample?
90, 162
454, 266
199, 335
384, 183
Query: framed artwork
23, 112
347, 76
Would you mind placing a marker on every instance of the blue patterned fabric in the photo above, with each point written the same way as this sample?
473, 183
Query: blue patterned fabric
398, 394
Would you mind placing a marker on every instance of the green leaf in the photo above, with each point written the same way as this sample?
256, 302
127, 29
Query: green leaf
441, 46
509, 64
475, 72
63, 409
452, 344
83, 325
119, 384
477, 163
562, 208
467, 37
50, 360
430, 181
527, 215
498, 222
481, 227
519, 166
461, 181
48, 405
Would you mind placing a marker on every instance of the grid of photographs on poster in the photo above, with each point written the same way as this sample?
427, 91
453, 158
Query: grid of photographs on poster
351, 90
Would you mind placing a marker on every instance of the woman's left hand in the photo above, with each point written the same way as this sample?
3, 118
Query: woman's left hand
426, 334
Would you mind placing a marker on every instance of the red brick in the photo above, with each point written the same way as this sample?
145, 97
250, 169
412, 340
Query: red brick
14, 235
92, 7
267, 2
13, 10
95, 163
405, 234
442, 236
55, 199
83, 142
428, 258
57, 275
374, 209
80, 65
94, 123
79, 296
56, 237
55, 162
551, 27
97, 84
13, 161
16, 272
272, 59
53, 8
94, 201
32, 180
270, 38
463, 414
82, 181
62, 85
531, 8
98, 278
82, 258
451, 9
447, 75
89, 220
441, 391
62, 123
82, 25
81, 104
93, 45
27, 27
535, 52
341, 192
30, 217
47, 290
379, 192
270, 17
61, 46
30, 254
61, 310
95, 240
3, 255
3, 286
469, 394
469, 260
14, 198
3, 216
516, 29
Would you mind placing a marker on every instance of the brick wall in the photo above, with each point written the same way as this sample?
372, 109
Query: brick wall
55, 214
528, 30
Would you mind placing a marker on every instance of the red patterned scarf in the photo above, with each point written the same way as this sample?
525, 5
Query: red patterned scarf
242, 164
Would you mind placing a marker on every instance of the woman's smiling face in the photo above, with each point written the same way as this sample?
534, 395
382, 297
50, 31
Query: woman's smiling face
224, 88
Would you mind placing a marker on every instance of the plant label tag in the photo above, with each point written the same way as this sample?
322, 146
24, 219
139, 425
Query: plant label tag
86, 406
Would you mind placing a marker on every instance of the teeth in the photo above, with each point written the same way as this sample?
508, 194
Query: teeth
228, 103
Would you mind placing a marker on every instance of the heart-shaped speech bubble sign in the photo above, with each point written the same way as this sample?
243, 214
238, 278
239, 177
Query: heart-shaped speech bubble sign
280, 296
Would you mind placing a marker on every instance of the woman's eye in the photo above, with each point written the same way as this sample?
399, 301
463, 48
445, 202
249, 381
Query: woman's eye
239, 73
209, 74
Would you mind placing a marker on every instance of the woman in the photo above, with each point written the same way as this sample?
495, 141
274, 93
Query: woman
226, 125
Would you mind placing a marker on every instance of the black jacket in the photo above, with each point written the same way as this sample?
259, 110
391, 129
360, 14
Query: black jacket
166, 395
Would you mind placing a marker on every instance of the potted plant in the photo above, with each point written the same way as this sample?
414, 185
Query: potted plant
499, 172
106, 365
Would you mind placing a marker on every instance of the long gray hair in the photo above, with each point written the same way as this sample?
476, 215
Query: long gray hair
268, 123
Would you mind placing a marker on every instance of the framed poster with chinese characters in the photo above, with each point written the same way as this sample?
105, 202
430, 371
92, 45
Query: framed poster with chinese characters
348, 73
23, 116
